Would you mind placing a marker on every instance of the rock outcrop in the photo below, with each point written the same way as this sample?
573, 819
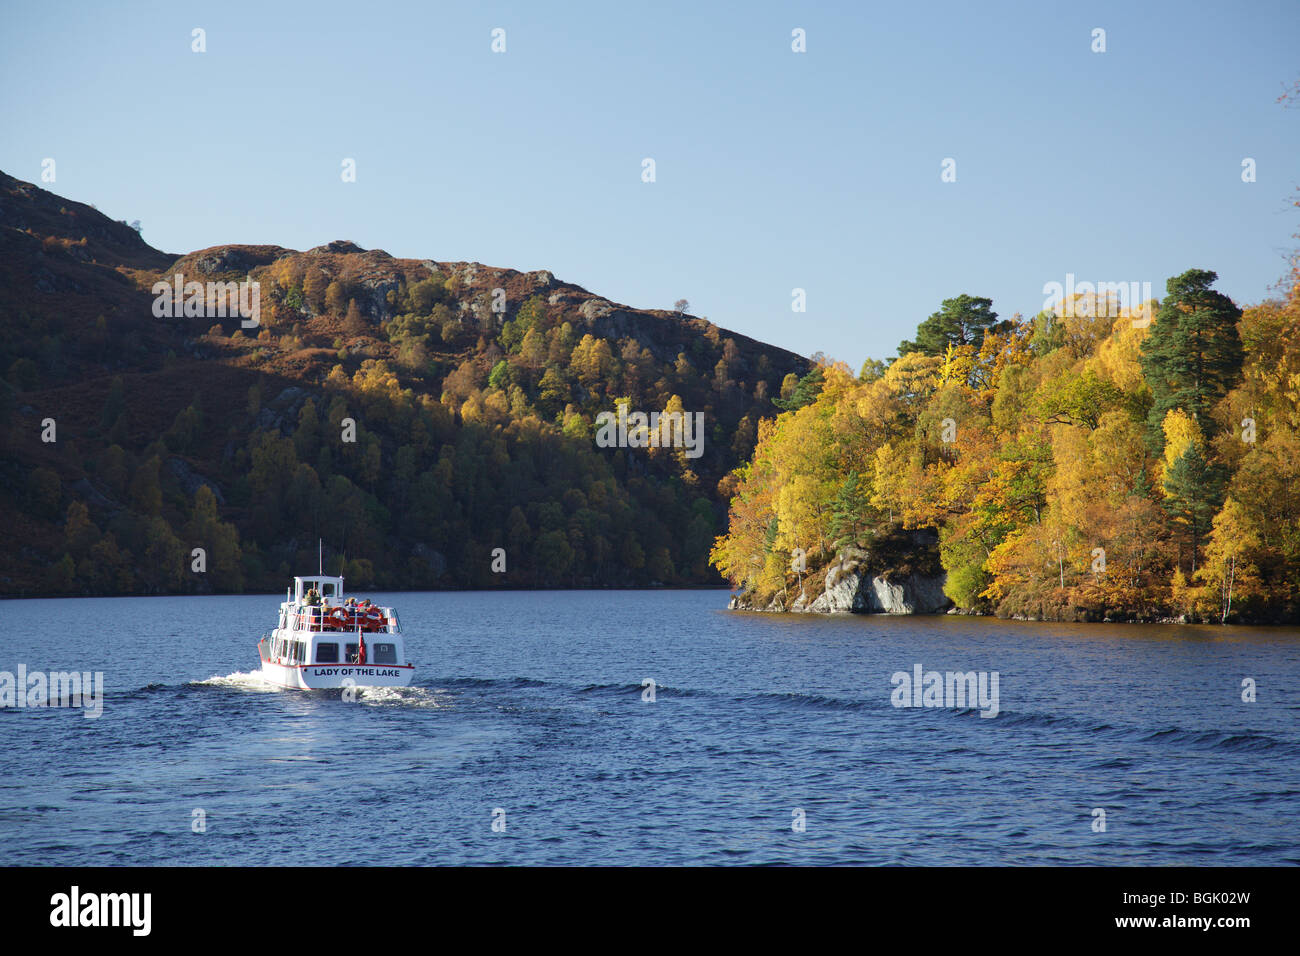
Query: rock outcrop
191, 481
855, 583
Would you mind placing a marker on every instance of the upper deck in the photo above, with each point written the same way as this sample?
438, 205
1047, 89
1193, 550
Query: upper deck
329, 610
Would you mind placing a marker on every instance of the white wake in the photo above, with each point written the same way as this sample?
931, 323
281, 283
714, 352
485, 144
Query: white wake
241, 680
401, 697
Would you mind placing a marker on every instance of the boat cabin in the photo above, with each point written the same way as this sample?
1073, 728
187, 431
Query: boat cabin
330, 589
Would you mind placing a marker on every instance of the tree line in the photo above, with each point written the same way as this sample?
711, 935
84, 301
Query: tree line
1092, 462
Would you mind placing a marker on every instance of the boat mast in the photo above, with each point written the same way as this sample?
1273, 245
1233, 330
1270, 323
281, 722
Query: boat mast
320, 565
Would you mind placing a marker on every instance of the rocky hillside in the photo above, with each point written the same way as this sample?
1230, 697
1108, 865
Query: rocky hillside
432, 421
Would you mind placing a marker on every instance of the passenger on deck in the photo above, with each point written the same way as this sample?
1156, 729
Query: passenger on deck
312, 601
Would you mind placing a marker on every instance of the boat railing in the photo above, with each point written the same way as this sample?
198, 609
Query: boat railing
337, 618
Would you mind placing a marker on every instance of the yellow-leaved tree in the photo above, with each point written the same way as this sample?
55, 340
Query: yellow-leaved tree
1229, 572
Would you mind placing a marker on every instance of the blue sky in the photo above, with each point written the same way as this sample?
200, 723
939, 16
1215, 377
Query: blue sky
774, 170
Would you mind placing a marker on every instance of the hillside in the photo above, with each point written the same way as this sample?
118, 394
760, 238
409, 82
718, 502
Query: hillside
417, 415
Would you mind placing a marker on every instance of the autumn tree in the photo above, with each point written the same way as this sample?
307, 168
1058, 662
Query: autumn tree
336, 298
354, 323
1230, 571
315, 284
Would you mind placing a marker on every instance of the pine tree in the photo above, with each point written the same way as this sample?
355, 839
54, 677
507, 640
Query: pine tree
1192, 354
1193, 493
959, 321
805, 392
847, 511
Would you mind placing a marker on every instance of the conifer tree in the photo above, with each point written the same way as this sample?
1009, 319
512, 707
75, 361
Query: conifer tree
1193, 493
959, 321
1192, 354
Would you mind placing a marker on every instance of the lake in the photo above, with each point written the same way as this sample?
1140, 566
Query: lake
763, 739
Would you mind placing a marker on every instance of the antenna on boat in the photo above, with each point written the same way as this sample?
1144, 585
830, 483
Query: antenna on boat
320, 564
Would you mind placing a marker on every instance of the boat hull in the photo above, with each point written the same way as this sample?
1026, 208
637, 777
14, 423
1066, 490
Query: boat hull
336, 676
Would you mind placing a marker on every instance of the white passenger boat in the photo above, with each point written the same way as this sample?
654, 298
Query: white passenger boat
324, 640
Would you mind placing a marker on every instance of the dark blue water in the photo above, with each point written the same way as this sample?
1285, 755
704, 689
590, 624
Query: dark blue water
533, 703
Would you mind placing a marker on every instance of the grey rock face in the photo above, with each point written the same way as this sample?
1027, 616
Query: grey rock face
541, 279
222, 261
437, 560
191, 481
339, 246
852, 589
843, 594
915, 594
594, 309
281, 413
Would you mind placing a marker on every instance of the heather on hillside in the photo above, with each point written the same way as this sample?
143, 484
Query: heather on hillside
432, 422
1086, 464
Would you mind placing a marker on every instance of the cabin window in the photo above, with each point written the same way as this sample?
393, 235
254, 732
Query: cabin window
350, 653
384, 653
327, 590
327, 653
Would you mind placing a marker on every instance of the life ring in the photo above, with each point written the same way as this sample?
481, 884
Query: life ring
339, 617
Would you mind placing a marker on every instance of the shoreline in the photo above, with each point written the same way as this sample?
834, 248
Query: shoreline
733, 605
745, 608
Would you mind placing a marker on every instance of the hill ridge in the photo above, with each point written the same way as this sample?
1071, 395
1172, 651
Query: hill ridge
461, 379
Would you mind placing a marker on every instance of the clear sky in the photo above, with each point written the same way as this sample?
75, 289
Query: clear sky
774, 169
